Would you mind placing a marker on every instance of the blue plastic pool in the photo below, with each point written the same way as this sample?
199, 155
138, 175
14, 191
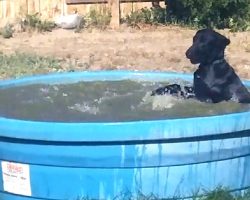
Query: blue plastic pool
167, 158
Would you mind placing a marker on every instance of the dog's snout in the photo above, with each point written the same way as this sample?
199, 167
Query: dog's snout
188, 53
191, 54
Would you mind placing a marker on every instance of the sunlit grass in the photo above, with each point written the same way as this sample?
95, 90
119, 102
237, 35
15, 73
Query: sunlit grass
20, 64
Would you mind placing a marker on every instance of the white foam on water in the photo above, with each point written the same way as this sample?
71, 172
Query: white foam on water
49, 99
85, 108
44, 90
159, 102
55, 88
164, 102
107, 96
110, 96
235, 98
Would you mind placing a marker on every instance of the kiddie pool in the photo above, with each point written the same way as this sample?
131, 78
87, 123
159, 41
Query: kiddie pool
166, 158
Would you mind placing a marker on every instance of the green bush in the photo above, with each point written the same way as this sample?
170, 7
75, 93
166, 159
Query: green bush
7, 31
33, 22
138, 17
146, 16
159, 15
100, 19
234, 14
218, 194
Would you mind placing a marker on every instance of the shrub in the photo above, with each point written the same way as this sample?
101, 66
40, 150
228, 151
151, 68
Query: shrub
233, 14
7, 31
33, 22
99, 19
159, 15
219, 194
146, 16
139, 16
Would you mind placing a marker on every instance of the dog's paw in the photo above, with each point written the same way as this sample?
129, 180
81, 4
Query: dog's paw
189, 92
173, 89
159, 91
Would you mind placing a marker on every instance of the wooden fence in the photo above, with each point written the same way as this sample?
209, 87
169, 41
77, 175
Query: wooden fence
13, 9
18, 8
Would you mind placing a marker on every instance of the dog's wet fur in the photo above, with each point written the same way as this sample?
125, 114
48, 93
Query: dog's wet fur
214, 80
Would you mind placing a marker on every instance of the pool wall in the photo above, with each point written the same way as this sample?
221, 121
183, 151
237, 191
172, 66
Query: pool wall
167, 158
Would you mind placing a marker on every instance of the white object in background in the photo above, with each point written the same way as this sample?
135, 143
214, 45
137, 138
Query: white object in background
68, 21
16, 178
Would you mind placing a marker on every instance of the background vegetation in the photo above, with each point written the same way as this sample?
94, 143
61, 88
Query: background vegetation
231, 14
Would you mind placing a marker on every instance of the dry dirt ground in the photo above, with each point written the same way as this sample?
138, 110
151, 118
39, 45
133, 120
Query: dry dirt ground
152, 48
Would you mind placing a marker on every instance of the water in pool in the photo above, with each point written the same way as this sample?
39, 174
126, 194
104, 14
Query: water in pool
103, 101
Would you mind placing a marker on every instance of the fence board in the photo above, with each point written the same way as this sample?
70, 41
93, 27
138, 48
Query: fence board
10, 9
70, 2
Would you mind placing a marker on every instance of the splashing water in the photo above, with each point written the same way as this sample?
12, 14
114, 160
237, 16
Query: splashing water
104, 101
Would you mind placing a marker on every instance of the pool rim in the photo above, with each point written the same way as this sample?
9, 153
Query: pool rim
58, 131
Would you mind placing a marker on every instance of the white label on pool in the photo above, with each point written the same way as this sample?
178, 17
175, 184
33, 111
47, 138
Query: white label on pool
16, 178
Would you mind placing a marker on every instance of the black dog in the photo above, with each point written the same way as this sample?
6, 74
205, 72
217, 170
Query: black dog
214, 80
175, 90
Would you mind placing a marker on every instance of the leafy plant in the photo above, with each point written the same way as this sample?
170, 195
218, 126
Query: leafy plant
146, 16
234, 14
7, 31
33, 22
99, 19
159, 15
218, 194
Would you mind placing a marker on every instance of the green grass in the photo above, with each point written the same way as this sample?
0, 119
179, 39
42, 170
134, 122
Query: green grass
224, 194
218, 194
21, 64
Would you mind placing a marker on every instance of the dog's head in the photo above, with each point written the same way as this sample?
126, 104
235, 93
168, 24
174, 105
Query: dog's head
207, 47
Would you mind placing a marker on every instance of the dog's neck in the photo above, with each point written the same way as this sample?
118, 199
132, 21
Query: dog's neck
215, 62
218, 61
213, 59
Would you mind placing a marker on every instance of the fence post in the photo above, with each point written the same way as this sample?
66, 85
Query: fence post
115, 13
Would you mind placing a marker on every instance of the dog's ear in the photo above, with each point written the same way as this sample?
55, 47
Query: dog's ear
226, 41
223, 41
